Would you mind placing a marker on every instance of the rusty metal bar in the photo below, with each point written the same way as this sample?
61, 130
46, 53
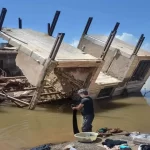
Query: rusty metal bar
87, 26
139, 44
56, 46
20, 23
48, 28
54, 22
2, 17
109, 41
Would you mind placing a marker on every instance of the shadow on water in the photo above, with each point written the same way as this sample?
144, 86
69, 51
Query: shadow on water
103, 105
99, 105
2, 111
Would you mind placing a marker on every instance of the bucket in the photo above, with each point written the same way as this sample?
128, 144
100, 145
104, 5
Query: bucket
86, 137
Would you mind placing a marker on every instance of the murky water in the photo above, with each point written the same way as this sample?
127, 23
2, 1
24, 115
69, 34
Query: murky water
21, 128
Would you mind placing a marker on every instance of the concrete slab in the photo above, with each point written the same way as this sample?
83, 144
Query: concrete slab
125, 48
39, 45
35, 47
104, 79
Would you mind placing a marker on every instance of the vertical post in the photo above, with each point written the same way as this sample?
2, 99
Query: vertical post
109, 40
48, 67
85, 31
54, 22
139, 44
56, 46
48, 28
2, 17
20, 23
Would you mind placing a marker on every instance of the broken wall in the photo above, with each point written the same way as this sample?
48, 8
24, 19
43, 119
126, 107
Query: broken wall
30, 68
94, 88
115, 64
68, 80
136, 85
119, 67
132, 86
63, 80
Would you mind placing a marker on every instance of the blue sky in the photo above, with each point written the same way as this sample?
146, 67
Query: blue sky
134, 16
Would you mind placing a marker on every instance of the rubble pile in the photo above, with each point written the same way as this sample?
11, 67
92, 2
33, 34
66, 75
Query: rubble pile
19, 91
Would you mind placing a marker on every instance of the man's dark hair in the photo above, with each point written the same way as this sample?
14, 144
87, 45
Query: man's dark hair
83, 91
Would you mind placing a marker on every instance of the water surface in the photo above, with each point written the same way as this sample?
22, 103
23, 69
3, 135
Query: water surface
21, 128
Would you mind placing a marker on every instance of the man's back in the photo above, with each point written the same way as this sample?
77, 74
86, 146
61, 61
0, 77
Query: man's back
88, 108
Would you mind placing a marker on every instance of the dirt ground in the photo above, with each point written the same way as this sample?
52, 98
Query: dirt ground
97, 145
89, 146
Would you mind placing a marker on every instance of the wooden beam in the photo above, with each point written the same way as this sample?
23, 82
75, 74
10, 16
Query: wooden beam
14, 99
78, 63
18, 105
43, 94
17, 77
39, 89
28, 89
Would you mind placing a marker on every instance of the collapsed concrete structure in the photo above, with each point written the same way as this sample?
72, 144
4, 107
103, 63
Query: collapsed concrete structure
64, 73
73, 70
104, 65
126, 67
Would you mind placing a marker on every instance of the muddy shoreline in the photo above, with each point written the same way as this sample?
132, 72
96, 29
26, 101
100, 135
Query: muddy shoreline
97, 145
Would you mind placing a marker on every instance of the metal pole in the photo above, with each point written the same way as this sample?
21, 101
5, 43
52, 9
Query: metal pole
57, 45
48, 28
87, 26
85, 31
20, 23
54, 22
139, 44
109, 40
2, 17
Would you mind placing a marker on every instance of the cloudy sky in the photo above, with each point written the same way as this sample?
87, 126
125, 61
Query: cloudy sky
132, 14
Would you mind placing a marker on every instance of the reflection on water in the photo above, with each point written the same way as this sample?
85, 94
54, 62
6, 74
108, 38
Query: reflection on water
23, 128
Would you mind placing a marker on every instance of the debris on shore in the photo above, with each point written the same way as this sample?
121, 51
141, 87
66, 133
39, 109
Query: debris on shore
132, 142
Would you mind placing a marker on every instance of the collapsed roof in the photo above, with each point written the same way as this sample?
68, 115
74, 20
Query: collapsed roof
39, 45
125, 48
34, 49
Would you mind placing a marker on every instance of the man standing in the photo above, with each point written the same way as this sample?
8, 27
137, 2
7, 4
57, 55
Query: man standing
87, 110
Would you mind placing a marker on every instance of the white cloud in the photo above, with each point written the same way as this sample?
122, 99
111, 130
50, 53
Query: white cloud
127, 37
74, 43
2, 41
130, 38
146, 46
